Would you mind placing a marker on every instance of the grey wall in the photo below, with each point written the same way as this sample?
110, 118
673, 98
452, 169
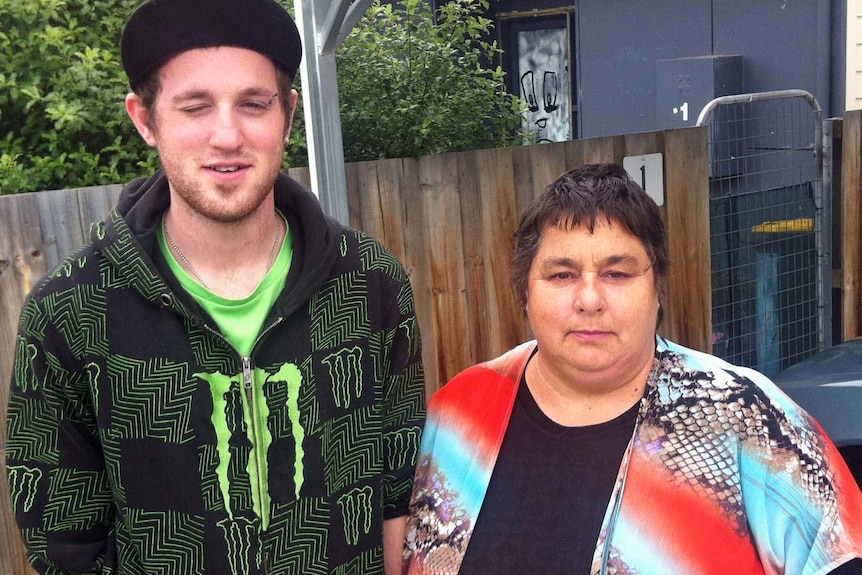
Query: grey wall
618, 43
784, 44
838, 58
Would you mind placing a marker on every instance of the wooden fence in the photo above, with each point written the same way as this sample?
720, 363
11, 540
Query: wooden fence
449, 218
848, 221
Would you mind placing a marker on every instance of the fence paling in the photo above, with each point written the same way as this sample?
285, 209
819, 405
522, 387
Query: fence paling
32, 237
450, 218
851, 210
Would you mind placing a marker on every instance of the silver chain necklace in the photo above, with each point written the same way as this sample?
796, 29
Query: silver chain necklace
194, 273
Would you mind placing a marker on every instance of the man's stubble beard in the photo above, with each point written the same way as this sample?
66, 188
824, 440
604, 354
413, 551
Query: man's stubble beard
210, 203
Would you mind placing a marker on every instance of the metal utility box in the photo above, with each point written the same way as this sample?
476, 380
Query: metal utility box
685, 85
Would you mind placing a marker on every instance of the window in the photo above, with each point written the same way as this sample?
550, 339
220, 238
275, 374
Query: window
539, 62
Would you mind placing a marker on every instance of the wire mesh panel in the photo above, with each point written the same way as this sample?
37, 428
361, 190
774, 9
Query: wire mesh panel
769, 251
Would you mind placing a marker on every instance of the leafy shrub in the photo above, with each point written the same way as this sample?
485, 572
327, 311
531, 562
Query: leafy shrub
62, 120
411, 84
408, 86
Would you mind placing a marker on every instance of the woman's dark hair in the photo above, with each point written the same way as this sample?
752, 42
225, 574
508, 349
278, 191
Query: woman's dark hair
579, 197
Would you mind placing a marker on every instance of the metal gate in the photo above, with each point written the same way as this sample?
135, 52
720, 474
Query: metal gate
769, 228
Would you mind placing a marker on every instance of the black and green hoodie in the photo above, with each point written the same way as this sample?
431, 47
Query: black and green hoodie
140, 442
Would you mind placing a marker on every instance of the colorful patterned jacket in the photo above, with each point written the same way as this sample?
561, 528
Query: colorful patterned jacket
723, 475
140, 441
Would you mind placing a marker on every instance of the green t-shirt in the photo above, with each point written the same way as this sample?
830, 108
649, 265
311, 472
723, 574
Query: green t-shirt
240, 320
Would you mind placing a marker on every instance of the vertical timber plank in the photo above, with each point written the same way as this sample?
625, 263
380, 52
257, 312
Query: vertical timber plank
602, 150
576, 151
363, 183
641, 144
301, 175
852, 229
499, 219
473, 230
547, 163
22, 263
525, 189
389, 184
352, 173
416, 261
688, 317
66, 215
438, 177
59, 219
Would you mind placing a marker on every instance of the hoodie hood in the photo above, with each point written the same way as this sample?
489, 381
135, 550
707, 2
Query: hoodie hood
128, 238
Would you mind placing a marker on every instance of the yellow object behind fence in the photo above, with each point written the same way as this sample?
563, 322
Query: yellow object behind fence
785, 226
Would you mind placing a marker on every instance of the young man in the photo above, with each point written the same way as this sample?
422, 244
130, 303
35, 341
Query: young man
225, 380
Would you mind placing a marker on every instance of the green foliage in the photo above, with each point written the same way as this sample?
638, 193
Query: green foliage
411, 84
62, 120
408, 86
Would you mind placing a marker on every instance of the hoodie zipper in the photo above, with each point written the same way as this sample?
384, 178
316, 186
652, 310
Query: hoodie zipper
256, 438
255, 432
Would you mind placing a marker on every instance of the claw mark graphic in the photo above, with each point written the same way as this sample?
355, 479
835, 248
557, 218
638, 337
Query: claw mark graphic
22, 483
256, 430
238, 535
220, 387
23, 375
291, 375
345, 371
407, 326
356, 512
402, 446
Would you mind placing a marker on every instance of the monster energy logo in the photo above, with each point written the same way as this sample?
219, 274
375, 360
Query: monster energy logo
22, 484
407, 326
291, 375
345, 372
255, 418
220, 387
67, 266
356, 513
238, 534
26, 353
99, 229
401, 446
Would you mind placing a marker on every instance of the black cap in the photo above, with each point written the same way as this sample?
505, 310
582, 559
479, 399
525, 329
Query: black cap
160, 29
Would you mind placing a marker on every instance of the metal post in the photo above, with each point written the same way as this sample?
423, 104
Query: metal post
322, 27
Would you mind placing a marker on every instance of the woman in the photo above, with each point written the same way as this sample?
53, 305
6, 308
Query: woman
602, 448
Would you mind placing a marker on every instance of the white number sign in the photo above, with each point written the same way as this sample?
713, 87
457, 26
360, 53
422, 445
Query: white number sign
648, 171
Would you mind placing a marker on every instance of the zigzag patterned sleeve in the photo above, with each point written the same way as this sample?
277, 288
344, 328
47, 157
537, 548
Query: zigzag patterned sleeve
404, 398
56, 473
